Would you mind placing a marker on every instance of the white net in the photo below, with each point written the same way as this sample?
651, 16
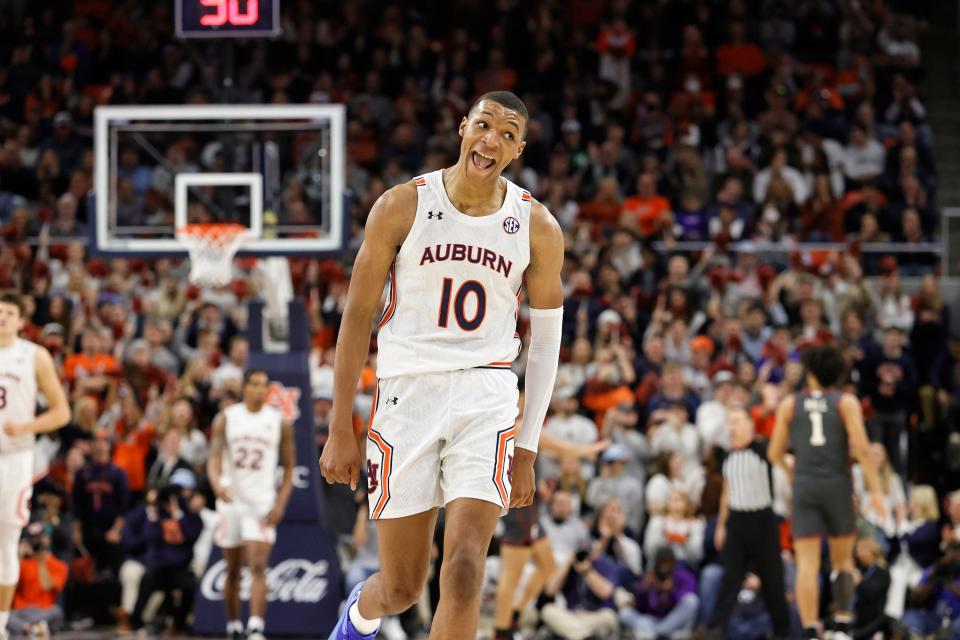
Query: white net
211, 248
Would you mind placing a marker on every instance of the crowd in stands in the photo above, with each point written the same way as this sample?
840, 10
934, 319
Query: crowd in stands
748, 125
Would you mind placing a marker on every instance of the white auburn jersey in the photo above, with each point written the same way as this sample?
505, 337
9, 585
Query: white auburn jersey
253, 446
454, 286
18, 391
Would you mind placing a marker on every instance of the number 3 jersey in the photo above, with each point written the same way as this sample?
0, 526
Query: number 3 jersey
250, 462
454, 287
18, 391
818, 436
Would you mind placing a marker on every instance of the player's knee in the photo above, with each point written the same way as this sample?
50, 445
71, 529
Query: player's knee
9, 556
233, 572
464, 575
399, 595
807, 572
257, 568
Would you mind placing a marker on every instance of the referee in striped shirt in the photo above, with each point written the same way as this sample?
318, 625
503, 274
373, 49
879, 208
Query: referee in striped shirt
747, 530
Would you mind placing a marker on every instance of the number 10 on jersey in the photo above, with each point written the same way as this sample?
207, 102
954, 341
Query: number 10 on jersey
460, 304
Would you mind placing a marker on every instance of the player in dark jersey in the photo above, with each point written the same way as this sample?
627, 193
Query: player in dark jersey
824, 428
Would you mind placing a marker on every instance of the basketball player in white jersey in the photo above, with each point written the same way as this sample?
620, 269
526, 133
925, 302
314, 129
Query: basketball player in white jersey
457, 244
250, 439
25, 368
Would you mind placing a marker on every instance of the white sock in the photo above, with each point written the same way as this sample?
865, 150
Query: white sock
4, 619
255, 623
234, 625
363, 626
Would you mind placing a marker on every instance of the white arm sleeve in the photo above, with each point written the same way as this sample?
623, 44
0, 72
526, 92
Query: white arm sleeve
542, 360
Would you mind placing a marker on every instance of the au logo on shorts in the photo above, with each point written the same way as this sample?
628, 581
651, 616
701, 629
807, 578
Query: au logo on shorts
511, 225
372, 480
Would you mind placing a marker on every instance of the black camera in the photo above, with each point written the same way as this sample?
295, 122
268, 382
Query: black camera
581, 555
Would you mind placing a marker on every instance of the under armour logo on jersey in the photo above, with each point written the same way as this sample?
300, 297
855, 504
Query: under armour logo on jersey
511, 225
392, 400
431, 215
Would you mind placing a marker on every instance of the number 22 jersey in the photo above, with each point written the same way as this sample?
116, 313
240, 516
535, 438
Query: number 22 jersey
253, 445
453, 289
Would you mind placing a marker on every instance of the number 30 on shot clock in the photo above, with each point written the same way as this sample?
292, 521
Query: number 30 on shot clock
227, 18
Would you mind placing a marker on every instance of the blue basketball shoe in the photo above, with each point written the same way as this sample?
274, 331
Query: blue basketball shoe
344, 629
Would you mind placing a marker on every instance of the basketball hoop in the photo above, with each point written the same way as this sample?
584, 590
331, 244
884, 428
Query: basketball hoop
212, 246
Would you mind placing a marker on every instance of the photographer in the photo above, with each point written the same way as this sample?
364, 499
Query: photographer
935, 601
666, 600
42, 578
590, 610
170, 532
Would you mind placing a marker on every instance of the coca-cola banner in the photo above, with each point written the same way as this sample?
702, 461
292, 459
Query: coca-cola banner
303, 583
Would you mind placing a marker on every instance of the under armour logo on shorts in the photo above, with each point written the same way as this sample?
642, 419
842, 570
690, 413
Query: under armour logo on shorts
392, 400
431, 215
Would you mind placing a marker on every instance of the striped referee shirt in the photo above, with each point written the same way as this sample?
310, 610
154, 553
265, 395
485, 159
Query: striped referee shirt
749, 478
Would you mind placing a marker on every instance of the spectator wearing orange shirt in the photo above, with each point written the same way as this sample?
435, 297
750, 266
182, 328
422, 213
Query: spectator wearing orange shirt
739, 55
90, 371
42, 578
133, 435
648, 211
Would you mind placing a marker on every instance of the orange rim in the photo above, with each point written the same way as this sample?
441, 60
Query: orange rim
212, 233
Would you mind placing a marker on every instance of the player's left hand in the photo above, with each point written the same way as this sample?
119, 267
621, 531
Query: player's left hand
274, 517
522, 478
14, 429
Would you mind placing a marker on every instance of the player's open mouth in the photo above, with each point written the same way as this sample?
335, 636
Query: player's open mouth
482, 162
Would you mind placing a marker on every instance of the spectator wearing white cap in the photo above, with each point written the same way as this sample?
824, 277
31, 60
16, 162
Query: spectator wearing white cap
614, 483
711, 421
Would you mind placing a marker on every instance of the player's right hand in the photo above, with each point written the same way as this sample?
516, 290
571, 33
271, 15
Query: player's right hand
222, 493
340, 461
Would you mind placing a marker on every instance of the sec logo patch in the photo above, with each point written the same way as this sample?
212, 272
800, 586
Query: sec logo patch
511, 225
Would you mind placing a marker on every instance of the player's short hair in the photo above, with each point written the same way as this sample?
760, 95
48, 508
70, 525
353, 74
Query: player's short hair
506, 99
249, 373
15, 299
825, 363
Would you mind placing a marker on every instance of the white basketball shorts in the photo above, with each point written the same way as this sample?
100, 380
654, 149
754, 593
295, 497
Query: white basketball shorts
16, 486
436, 437
241, 522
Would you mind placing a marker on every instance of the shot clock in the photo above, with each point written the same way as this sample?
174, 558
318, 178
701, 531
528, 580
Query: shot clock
227, 18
